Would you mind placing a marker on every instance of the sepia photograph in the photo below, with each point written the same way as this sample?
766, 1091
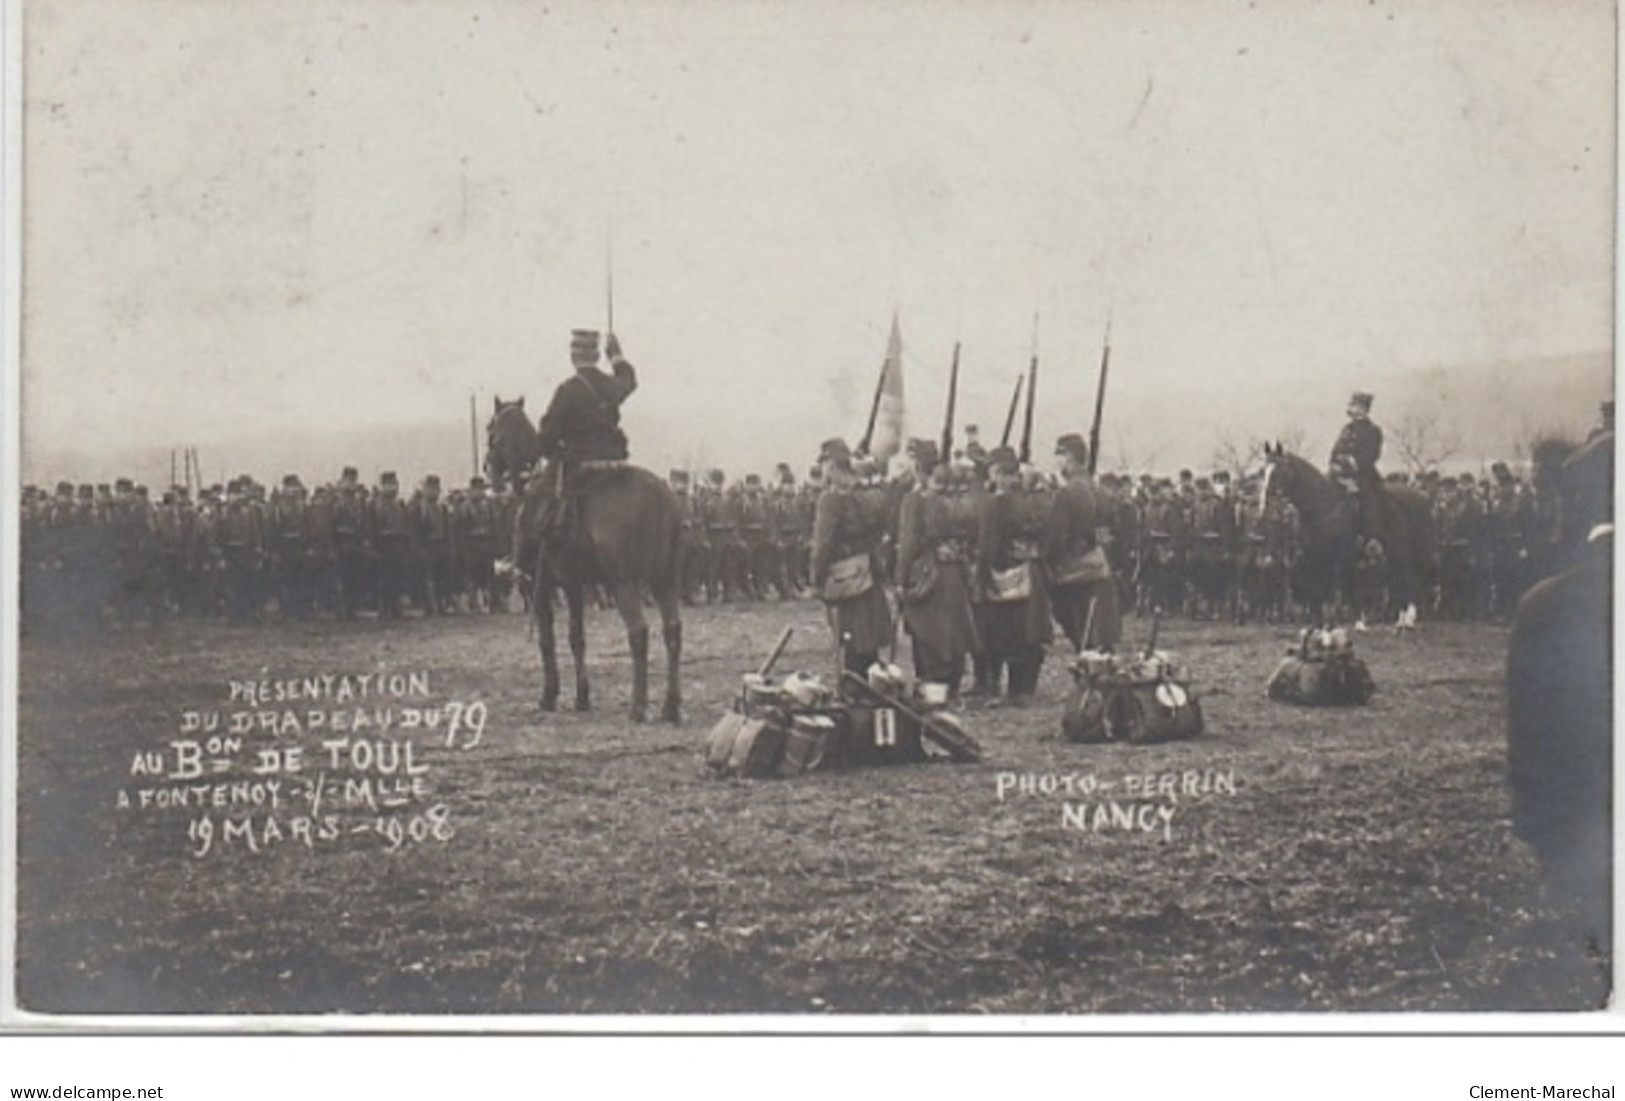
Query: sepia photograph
938, 516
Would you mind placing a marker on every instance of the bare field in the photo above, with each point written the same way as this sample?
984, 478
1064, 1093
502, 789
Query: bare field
577, 864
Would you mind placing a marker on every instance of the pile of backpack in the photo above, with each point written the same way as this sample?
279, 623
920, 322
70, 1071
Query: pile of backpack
785, 726
1136, 698
1322, 671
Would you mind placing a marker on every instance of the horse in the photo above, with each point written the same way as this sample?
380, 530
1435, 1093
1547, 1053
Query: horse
1330, 533
625, 537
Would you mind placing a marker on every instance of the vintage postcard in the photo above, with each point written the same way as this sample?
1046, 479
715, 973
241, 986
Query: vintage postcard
604, 516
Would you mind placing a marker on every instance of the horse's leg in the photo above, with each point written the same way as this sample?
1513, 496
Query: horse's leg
671, 628
629, 601
541, 604
575, 597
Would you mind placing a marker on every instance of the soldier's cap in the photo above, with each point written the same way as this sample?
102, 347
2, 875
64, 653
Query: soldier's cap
970, 431
1221, 477
1203, 483
1502, 473
753, 479
1608, 408
140, 491
1362, 399
388, 478
835, 450
123, 485
431, 481
1073, 446
924, 451
815, 474
1004, 460
87, 491
1186, 475
350, 474
476, 482
169, 497
1468, 480
64, 489
291, 481
678, 477
716, 477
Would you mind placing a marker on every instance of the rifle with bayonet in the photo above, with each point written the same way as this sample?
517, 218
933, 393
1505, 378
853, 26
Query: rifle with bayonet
1025, 454
1010, 417
948, 417
1100, 399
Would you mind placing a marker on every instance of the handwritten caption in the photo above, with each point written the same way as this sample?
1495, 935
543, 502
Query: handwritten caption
310, 762
1138, 803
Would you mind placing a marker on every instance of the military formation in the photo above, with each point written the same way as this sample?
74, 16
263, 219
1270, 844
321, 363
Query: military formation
247, 553
1183, 545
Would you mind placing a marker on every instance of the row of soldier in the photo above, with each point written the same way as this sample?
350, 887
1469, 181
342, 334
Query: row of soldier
1199, 546
241, 551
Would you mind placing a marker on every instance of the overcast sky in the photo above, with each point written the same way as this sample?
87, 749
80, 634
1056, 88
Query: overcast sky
270, 214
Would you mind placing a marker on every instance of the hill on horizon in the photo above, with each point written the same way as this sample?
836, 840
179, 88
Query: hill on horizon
1478, 414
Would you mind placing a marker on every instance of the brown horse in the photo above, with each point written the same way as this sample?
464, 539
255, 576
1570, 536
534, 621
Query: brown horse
1330, 530
624, 536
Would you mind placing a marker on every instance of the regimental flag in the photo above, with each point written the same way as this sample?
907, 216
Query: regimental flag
889, 426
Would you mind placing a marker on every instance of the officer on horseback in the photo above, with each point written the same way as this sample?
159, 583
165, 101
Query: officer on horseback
583, 421
1353, 464
582, 424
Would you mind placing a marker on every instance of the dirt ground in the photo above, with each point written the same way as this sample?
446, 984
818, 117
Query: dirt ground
572, 863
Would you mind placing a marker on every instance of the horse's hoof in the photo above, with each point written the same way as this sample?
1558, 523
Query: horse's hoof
671, 714
549, 705
583, 705
639, 718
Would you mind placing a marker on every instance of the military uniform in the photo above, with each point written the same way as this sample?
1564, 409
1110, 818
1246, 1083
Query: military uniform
934, 580
1211, 562
241, 535
480, 526
1080, 515
844, 529
1014, 631
288, 549
391, 534
430, 527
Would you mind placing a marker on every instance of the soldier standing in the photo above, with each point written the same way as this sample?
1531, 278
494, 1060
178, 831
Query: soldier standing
1013, 611
391, 542
691, 541
760, 533
481, 526
242, 546
430, 539
351, 543
844, 567
933, 575
1077, 541
289, 548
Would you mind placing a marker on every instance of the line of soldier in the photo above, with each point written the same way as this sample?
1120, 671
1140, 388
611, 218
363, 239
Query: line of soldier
1204, 547
243, 552
1194, 546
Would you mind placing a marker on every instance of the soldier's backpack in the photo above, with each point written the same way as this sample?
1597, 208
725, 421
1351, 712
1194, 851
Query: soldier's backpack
1131, 698
1322, 671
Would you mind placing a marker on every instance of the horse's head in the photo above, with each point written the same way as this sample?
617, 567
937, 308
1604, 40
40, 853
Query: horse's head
511, 442
1286, 475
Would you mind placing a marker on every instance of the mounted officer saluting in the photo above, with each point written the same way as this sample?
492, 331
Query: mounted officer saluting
582, 424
